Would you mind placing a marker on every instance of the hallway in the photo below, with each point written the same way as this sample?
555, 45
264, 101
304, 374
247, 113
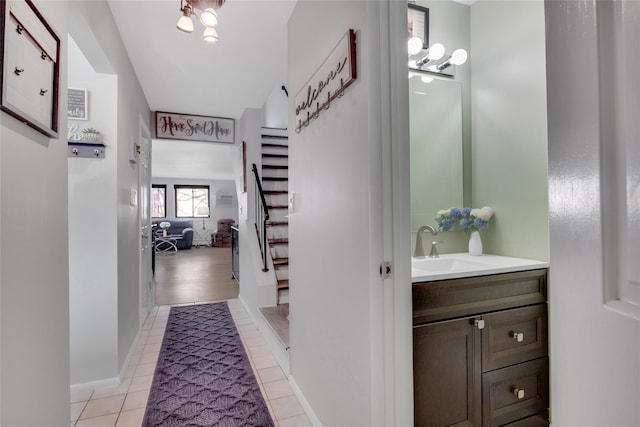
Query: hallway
195, 275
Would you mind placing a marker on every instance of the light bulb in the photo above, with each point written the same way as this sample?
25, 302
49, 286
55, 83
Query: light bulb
426, 79
414, 45
412, 64
210, 35
458, 57
185, 23
436, 51
209, 17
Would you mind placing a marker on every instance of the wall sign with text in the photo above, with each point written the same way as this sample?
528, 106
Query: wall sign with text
194, 128
335, 74
77, 108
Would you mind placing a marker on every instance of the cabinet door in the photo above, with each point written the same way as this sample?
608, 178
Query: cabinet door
446, 372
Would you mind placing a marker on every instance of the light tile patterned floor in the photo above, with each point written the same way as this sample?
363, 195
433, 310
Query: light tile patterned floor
124, 405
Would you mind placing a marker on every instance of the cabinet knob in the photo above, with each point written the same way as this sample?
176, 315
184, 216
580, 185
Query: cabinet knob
43, 91
519, 393
19, 29
478, 323
43, 55
518, 336
18, 71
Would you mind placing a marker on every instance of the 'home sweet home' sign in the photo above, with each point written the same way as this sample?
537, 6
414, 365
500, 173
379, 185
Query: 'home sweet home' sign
194, 128
335, 74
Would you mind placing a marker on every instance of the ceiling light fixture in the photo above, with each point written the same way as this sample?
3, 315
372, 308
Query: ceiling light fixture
208, 17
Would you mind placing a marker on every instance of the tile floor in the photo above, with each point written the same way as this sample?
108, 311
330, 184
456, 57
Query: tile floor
124, 405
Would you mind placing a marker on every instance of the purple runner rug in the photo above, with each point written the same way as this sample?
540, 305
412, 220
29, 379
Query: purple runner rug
203, 376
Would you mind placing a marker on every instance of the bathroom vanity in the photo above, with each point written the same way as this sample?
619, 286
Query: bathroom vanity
480, 341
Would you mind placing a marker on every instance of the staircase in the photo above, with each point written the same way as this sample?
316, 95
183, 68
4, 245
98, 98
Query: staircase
275, 184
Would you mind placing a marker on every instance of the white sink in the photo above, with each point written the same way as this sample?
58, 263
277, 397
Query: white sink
446, 264
451, 266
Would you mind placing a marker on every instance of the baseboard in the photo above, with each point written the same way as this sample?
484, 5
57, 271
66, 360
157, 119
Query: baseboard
315, 421
110, 382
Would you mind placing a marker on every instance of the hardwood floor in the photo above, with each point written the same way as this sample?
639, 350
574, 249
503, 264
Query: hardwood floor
278, 318
194, 275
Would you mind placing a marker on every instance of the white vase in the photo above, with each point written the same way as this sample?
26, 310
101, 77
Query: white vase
475, 243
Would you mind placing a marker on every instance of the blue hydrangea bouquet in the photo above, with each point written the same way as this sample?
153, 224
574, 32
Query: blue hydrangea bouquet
469, 219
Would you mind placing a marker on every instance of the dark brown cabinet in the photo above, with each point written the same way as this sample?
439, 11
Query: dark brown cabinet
480, 351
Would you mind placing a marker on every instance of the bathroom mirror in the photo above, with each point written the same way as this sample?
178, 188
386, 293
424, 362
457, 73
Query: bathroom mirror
435, 116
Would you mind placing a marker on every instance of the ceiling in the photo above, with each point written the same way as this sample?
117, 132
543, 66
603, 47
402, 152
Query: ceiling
179, 72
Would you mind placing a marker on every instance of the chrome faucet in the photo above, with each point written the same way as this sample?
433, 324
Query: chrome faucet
419, 252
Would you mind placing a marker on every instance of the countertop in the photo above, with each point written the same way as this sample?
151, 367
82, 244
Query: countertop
453, 266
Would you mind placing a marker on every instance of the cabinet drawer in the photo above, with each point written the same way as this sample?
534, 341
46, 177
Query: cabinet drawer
448, 299
514, 336
538, 420
502, 405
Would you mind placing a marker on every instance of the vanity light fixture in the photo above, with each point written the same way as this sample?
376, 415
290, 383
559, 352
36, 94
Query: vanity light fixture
434, 53
414, 45
434, 60
458, 57
208, 17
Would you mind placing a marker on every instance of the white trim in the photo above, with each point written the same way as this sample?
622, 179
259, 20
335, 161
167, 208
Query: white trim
114, 381
313, 418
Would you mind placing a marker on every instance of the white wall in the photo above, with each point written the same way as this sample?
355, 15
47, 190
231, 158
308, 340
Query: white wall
34, 270
275, 109
595, 351
217, 211
93, 28
93, 264
509, 125
335, 233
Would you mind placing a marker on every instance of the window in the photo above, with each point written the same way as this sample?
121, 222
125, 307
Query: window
191, 201
158, 201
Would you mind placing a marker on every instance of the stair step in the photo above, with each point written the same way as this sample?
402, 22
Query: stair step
277, 223
272, 192
277, 206
269, 145
283, 284
275, 178
283, 167
282, 241
279, 262
280, 137
274, 156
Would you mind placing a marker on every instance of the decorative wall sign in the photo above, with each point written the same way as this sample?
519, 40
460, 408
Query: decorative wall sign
194, 128
418, 23
77, 104
335, 74
29, 77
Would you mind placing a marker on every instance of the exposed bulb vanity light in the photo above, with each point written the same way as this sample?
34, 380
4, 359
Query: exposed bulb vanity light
208, 17
458, 57
434, 53
414, 45
435, 60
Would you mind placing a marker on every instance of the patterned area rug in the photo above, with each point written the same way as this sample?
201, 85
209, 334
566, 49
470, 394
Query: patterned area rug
203, 376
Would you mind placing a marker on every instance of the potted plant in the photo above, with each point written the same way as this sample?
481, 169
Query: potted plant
90, 135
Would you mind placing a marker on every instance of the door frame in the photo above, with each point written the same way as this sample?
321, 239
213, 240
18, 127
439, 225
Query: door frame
142, 149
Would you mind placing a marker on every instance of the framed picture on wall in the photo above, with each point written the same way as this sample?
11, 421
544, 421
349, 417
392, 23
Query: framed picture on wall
77, 106
29, 74
418, 23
